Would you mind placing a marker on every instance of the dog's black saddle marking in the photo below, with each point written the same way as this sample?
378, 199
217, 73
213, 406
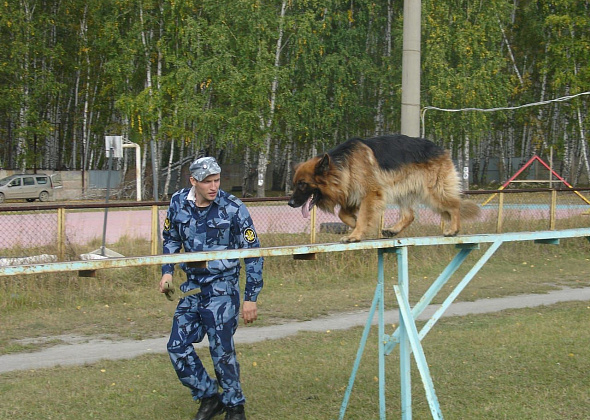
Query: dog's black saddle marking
391, 151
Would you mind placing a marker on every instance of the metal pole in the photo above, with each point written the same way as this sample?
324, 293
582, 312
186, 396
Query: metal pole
61, 233
553, 209
138, 171
500, 220
433, 290
155, 242
313, 223
377, 297
106, 209
381, 329
414, 340
410, 124
137, 168
404, 341
288, 250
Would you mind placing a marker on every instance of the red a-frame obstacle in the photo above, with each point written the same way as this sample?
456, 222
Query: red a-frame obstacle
526, 165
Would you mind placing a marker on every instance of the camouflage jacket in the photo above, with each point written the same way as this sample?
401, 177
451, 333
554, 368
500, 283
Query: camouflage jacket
225, 224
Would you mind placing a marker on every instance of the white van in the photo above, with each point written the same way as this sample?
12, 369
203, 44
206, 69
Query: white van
29, 187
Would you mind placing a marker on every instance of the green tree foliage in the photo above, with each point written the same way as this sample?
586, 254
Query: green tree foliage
243, 77
464, 64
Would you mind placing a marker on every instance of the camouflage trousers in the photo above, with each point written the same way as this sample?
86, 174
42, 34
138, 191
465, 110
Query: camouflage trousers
217, 317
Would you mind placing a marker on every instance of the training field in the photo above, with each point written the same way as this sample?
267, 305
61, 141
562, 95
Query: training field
521, 363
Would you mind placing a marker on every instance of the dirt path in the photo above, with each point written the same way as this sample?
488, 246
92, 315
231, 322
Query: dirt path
82, 350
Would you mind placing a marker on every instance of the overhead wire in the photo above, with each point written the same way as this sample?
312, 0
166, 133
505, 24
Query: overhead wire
504, 108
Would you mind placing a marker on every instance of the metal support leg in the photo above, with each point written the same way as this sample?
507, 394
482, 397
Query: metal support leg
404, 348
407, 335
410, 331
459, 288
433, 290
377, 299
381, 344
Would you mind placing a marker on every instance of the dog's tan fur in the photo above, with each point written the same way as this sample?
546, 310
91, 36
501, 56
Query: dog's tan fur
362, 190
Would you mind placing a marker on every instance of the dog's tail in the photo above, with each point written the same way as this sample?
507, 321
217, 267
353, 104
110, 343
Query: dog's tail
469, 209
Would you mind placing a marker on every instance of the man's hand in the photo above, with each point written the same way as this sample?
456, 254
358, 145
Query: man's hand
166, 285
249, 312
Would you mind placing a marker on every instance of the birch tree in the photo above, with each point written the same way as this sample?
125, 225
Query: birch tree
235, 78
267, 122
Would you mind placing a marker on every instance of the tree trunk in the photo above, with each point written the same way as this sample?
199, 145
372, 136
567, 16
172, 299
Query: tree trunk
169, 170
144, 171
567, 158
249, 174
514, 65
379, 117
485, 160
510, 152
288, 166
180, 164
502, 162
20, 161
580, 118
266, 125
152, 125
85, 124
465, 164
583, 144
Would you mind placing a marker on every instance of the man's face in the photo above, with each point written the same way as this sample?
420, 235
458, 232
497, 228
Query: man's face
206, 190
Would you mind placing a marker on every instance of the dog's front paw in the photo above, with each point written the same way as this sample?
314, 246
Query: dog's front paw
349, 239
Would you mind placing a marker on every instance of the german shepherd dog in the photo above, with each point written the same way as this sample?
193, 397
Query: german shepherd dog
362, 176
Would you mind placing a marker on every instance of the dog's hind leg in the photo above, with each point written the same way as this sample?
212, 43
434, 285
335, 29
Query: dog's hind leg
450, 211
444, 197
452, 218
405, 219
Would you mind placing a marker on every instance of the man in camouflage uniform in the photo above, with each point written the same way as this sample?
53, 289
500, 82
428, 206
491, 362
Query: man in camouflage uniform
206, 218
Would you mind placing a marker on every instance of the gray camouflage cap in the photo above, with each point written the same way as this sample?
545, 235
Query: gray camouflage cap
203, 167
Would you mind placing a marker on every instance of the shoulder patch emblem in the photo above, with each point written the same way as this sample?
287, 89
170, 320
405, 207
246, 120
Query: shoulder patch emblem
249, 235
167, 224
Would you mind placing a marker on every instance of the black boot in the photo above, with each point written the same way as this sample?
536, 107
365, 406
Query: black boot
235, 413
210, 407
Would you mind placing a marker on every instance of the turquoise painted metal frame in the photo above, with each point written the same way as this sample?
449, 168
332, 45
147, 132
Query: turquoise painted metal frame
407, 336
298, 251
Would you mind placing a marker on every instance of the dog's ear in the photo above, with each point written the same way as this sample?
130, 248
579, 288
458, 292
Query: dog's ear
323, 166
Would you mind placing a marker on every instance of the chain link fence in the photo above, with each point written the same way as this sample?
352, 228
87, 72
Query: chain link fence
66, 231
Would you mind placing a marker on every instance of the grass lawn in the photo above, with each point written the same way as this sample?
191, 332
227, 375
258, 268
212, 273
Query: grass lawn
518, 364
124, 303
